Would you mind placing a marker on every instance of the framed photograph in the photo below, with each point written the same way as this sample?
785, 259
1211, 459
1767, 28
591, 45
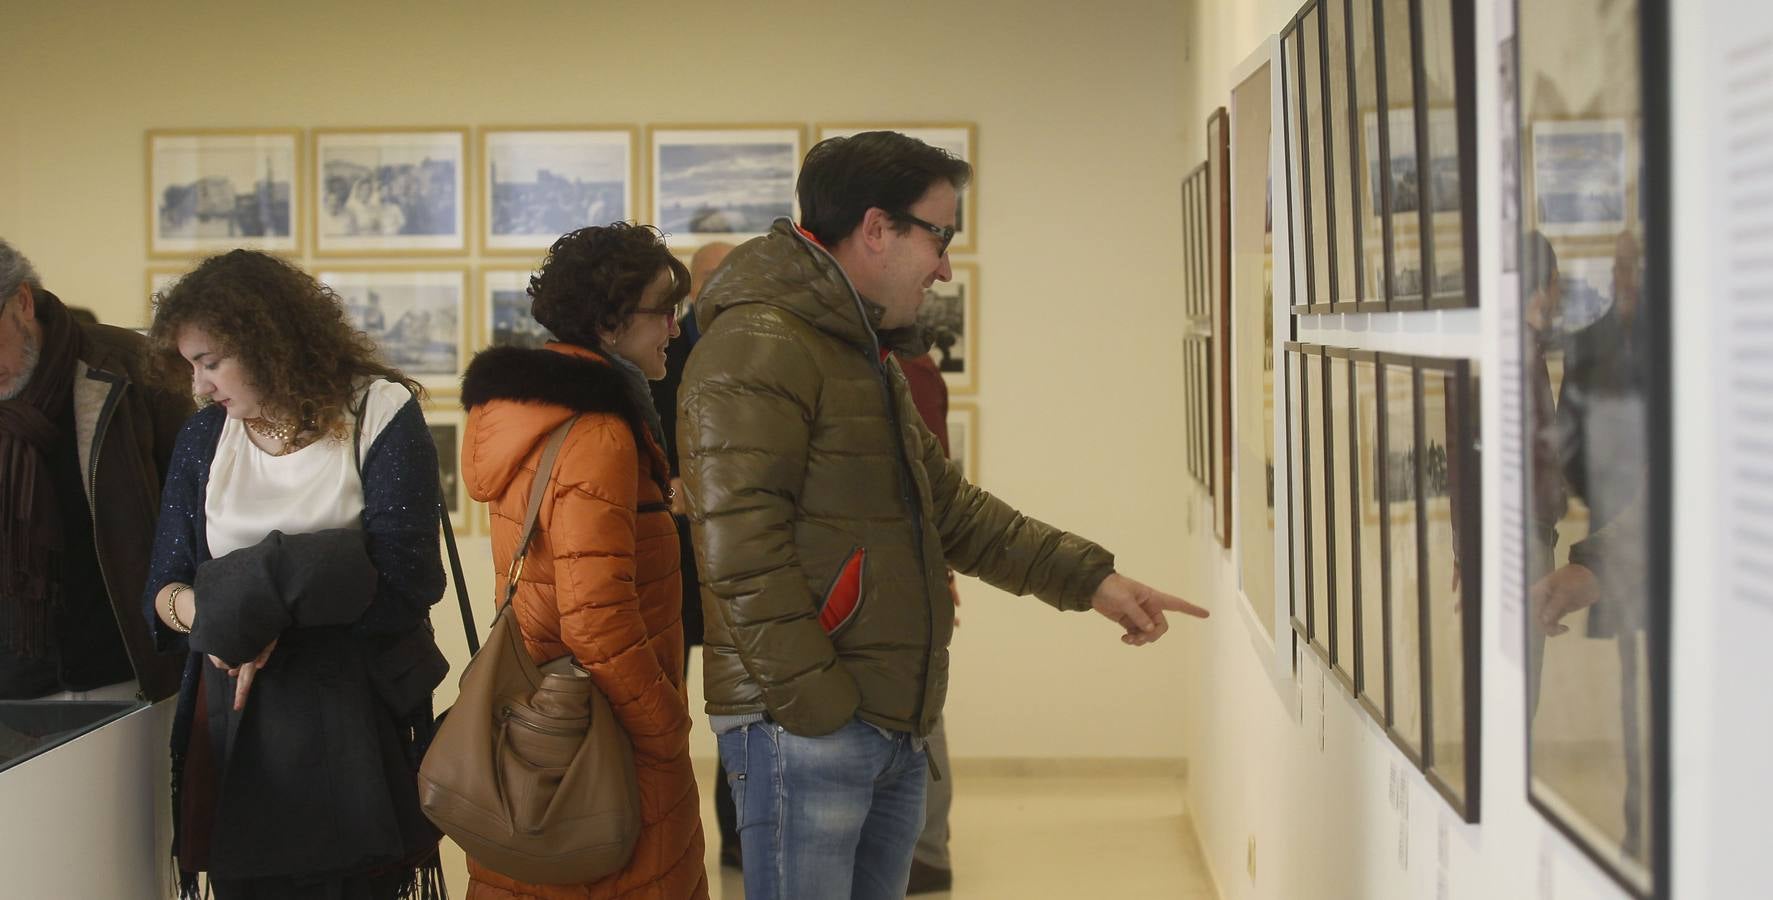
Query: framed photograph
1345, 268
1598, 704
1321, 622
1401, 522
1219, 268
210, 191
504, 317
1293, 122
1251, 377
1345, 555
538, 183
1194, 292
1367, 458
1579, 176
949, 317
1298, 498
1450, 567
1364, 202
1449, 81
447, 427
721, 182
1319, 216
417, 317
159, 280
384, 192
1190, 440
1394, 177
963, 438
961, 140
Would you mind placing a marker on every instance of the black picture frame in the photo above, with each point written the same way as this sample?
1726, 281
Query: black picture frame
1449, 553
1372, 607
1402, 540
1338, 497
1641, 863
1320, 211
1219, 257
1319, 553
1298, 503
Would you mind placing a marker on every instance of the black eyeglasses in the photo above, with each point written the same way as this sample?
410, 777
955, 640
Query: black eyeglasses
944, 233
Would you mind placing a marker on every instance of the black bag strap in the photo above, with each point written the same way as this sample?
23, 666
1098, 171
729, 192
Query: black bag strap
449, 533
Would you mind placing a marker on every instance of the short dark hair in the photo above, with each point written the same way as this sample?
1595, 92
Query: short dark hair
843, 177
593, 279
1541, 261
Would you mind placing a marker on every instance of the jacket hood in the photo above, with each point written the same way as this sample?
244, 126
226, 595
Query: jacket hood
515, 397
788, 270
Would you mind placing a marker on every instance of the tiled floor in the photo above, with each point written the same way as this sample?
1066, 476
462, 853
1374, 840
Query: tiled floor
1033, 837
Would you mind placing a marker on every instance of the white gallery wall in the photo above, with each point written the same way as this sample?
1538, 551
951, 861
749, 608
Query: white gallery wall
1080, 143
1296, 792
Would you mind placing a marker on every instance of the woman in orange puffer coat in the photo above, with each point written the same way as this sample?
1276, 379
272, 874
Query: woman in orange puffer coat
601, 580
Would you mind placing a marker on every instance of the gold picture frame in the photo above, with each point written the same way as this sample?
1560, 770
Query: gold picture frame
409, 335
387, 195
569, 165
696, 209
230, 180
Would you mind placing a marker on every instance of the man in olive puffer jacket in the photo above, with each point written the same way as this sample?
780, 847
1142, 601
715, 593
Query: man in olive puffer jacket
826, 516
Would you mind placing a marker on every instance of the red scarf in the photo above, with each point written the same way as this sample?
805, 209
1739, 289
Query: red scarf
30, 517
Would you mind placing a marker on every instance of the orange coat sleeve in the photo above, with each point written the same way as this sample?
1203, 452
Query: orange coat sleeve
592, 538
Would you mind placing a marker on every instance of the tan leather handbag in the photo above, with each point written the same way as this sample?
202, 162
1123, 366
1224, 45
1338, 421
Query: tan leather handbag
530, 772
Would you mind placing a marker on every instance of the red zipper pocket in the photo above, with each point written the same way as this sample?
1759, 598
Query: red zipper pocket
845, 594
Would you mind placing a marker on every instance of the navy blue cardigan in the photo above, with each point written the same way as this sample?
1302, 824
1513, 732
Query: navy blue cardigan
400, 525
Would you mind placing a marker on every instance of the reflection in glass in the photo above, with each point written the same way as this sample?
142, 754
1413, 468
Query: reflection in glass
1297, 494
1406, 199
1444, 457
1348, 264
1400, 524
1311, 46
1341, 530
1371, 672
1440, 183
1365, 170
1588, 382
1316, 480
1296, 184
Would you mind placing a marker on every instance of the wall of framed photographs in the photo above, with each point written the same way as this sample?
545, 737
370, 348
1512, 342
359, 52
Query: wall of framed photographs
412, 197
1389, 725
1060, 268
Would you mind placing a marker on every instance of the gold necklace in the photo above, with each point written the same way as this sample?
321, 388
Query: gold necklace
283, 433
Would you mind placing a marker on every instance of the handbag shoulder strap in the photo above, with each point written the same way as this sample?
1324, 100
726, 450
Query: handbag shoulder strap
537, 490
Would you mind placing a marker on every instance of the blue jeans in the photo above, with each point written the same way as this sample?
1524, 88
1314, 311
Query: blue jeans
825, 817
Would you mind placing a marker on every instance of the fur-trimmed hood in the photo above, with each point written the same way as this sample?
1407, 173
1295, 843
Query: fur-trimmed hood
515, 396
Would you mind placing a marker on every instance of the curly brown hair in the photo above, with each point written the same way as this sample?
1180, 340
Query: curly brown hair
593, 279
288, 331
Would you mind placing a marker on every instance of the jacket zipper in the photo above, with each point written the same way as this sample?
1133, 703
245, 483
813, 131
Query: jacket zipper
907, 481
98, 443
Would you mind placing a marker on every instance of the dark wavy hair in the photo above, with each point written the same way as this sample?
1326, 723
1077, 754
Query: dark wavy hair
288, 330
843, 177
593, 279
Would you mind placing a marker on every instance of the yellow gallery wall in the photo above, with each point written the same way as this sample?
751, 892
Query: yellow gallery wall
1082, 142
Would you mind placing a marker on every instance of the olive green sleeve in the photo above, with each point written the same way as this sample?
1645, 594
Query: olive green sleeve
984, 537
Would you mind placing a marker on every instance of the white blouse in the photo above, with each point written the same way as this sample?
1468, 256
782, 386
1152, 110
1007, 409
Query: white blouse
252, 493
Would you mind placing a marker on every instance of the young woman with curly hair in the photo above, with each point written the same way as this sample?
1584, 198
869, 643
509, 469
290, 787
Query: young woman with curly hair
601, 579
296, 561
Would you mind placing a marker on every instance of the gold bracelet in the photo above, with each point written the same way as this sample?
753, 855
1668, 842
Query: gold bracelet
172, 609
